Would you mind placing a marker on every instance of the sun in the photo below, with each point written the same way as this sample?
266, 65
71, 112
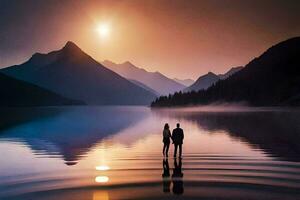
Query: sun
103, 30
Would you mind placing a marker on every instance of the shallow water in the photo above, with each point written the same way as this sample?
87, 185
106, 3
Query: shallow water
115, 153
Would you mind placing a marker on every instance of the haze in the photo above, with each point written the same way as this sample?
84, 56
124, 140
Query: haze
182, 39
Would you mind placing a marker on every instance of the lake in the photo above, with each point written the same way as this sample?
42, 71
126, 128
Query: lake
111, 152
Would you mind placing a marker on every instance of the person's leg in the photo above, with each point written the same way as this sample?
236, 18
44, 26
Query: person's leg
167, 149
175, 149
164, 148
180, 150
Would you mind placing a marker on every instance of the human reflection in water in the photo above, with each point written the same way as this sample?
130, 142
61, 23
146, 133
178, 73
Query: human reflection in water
166, 176
177, 177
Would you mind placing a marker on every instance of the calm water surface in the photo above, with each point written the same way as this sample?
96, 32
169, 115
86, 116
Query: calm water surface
107, 153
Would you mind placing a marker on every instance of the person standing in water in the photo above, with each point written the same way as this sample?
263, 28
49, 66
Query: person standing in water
166, 176
177, 178
166, 139
177, 137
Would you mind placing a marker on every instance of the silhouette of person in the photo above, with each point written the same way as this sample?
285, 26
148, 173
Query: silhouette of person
177, 137
177, 178
166, 139
166, 176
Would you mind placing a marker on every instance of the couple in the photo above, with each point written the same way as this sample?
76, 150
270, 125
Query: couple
177, 138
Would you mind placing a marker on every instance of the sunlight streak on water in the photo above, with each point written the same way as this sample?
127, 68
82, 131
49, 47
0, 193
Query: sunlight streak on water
100, 195
102, 167
101, 179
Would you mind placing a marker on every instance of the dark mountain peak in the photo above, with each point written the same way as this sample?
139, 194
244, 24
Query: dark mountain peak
211, 74
208, 75
207, 80
230, 72
70, 45
76, 75
236, 68
272, 79
36, 55
40, 59
71, 51
203, 82
292, 41
282, 49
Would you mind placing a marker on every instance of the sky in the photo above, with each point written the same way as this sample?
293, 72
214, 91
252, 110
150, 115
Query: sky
179, 38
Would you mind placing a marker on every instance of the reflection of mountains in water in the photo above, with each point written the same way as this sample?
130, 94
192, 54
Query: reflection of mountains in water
277, 133
69, 132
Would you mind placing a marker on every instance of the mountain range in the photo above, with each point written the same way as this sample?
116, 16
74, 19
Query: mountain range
144, 86
19, 93
203, 82
232, 71
72, 73
207, 80
154, 80
272, 79
186, 82
70, 76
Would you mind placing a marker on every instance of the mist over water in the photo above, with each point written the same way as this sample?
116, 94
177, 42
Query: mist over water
229, 152
227, 107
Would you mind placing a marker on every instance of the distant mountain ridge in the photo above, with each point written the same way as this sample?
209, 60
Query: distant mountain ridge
144, 86
232, 71
186, 82
155, 80
72, 73
19, 93
203, 82
272, 79
207, 80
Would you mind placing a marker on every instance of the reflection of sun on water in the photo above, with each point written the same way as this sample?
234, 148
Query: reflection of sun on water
100, 195
102, 168
101, 179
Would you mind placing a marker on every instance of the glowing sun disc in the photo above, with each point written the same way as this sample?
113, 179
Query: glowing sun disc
103, 30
